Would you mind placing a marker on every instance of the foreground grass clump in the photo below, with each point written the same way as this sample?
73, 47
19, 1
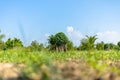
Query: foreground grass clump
74, 65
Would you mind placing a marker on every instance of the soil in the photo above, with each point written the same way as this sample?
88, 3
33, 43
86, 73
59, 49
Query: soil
8, 71
68, 70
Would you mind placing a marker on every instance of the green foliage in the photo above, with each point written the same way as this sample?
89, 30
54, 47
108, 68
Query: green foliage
110, 46
58, 41
84, 44
51, 40
42, 63
100, 46
2, 45
116, 47
17, 42
91, 41
88, 43
9, 43
118, 44
70, 46
13, 43
35, 46
61, 39
106, 46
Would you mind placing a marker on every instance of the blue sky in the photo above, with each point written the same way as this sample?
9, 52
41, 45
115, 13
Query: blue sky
36, 19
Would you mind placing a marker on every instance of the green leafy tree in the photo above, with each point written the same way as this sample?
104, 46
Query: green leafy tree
9, 43
116, 47
17, 42
70, 45
41, 47
100, 46
106, 46
52, 42
110, 46
61, 41
35, 46
58, 41
2, 45
118, 44
13, 43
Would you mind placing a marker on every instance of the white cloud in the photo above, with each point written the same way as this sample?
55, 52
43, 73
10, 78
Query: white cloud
108, 36
74, 35
70, 29
47, 35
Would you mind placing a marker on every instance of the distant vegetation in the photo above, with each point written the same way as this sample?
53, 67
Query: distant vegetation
59, 42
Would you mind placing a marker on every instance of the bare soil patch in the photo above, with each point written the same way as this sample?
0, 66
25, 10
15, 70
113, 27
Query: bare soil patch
68, 70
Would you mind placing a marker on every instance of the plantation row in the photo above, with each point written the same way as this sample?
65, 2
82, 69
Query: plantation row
59, 42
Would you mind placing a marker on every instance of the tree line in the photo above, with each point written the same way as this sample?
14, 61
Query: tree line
59, 42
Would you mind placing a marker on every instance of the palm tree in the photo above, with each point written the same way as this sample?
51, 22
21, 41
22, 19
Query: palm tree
91, 40
88, 43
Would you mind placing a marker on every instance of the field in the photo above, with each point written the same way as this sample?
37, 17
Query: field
18, 64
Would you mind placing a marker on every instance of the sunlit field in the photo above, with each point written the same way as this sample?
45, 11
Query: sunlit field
59, 39
70, 65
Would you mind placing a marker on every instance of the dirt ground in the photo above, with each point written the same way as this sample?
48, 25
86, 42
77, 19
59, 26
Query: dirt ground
79, 70
69, 70
8, 71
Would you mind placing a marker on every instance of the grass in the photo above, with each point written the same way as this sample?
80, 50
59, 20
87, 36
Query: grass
99, 60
